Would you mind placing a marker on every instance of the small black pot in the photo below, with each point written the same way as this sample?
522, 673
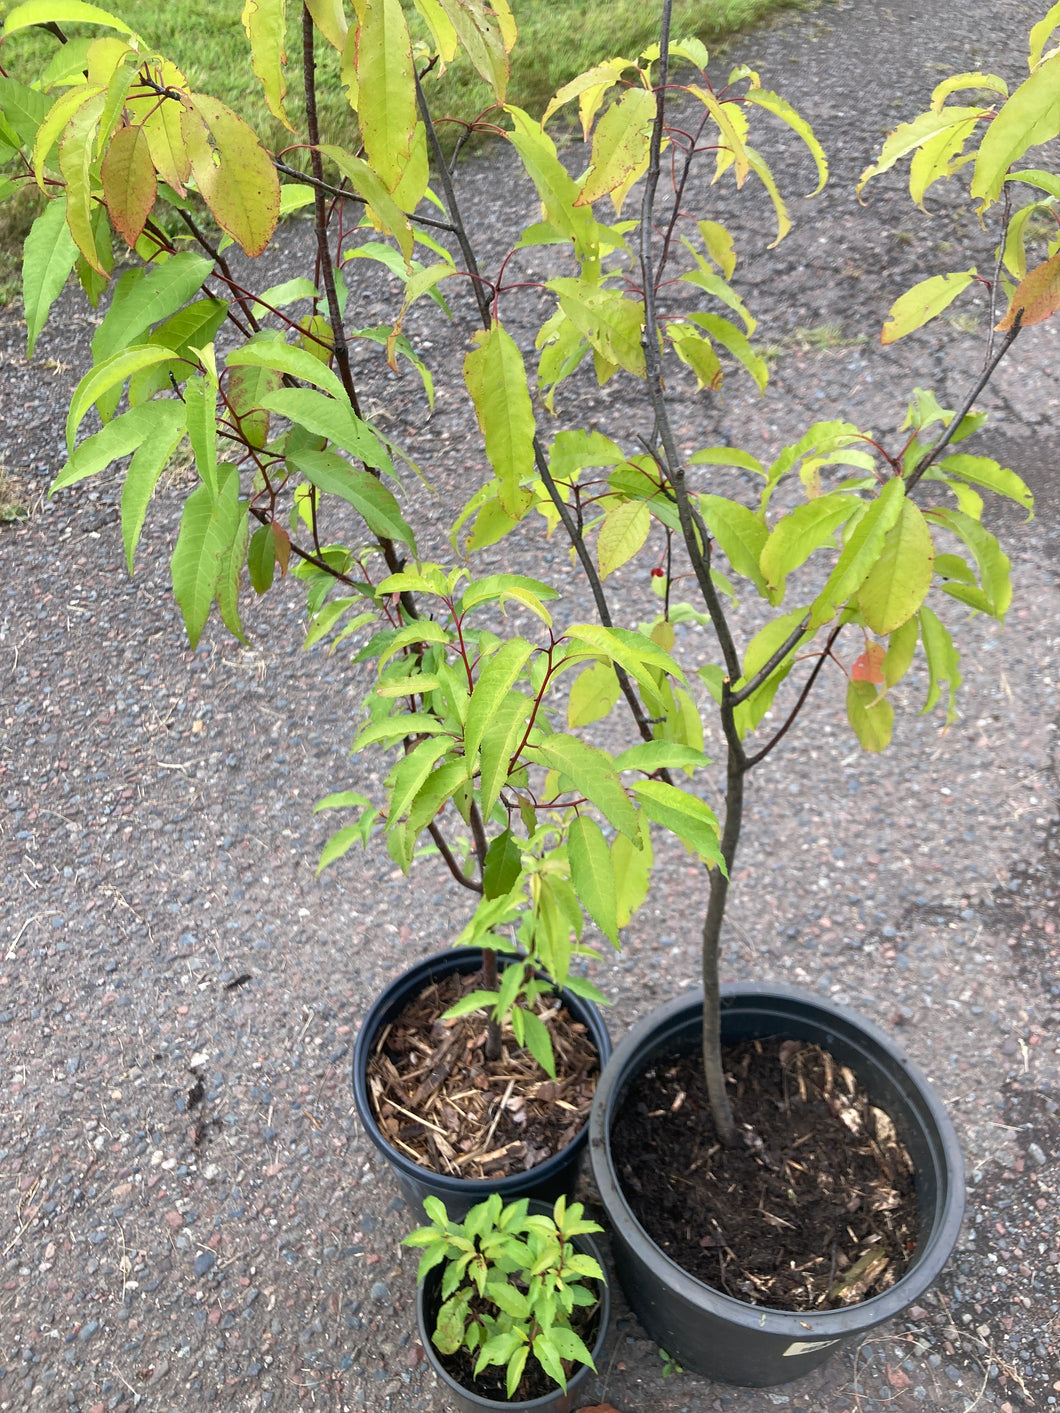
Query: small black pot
467, 1400
547, 1181
704, 1329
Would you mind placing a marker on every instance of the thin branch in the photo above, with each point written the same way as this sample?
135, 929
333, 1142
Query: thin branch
826, 653
222, 264
451, 861
996, 281
596, 587
453, 209
318, 184
766, 670
955, 422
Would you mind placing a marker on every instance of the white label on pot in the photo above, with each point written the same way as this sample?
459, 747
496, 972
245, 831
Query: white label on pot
806, 1346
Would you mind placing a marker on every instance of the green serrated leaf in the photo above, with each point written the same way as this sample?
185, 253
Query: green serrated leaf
622, 535
593, 874
592, 695
48, 257
496, 380
686, 816
496, 678
898, 582
502, 867
369, 497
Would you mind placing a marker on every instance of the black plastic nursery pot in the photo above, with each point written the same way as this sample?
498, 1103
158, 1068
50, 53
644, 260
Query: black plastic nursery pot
557, 1175
704, 1329
467, 1400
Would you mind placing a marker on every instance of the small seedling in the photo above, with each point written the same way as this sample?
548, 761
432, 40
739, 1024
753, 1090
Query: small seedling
670, 1365
511, 1286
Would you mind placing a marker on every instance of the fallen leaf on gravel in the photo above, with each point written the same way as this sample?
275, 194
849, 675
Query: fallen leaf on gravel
898, 1378
599, 1408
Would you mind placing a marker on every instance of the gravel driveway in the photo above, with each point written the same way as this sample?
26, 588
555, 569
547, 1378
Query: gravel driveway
190, 1216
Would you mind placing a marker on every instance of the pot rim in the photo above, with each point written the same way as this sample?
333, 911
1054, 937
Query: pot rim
803, 1326
514, 1184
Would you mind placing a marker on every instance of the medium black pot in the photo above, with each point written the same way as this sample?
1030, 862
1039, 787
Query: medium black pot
547, 1181
703, 1329
467, 1400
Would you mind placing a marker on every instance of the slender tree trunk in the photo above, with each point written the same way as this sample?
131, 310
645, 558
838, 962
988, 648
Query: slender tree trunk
713, 1068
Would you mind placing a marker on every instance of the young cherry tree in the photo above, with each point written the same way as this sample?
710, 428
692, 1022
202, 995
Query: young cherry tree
542, 826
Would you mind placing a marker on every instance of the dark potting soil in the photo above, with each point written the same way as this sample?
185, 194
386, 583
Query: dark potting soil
815, 1210
492, 1382
442, 1103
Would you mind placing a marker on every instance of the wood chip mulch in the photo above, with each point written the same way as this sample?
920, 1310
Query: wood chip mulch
439, 1101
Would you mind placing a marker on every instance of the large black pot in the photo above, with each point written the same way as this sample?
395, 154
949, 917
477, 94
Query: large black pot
702, 1328
467, 1400
546, 1182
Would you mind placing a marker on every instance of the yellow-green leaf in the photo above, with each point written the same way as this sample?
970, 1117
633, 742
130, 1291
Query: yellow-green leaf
592, 695
622, 535
936, 158
1041, 34
42, 12
589, 88
719, 245
592, 872
441, 28
722, 113
923, 303
76, 155
909, 136
160, 119
696, 352
234, 173
612, 323
385, 81
761, 170
871, 716
47, 258
781, 108
860, 552
496, 379
382, 208
482, 37
956, 82
798, 534
62, 110
632, 866
265, 22
1030, 117
620, 144
330, 20
104, 376
898, 582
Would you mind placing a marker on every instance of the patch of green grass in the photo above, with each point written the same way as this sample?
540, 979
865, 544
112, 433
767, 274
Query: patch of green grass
824, 337
557, 39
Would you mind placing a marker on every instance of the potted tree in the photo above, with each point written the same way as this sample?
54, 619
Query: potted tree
557, 826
